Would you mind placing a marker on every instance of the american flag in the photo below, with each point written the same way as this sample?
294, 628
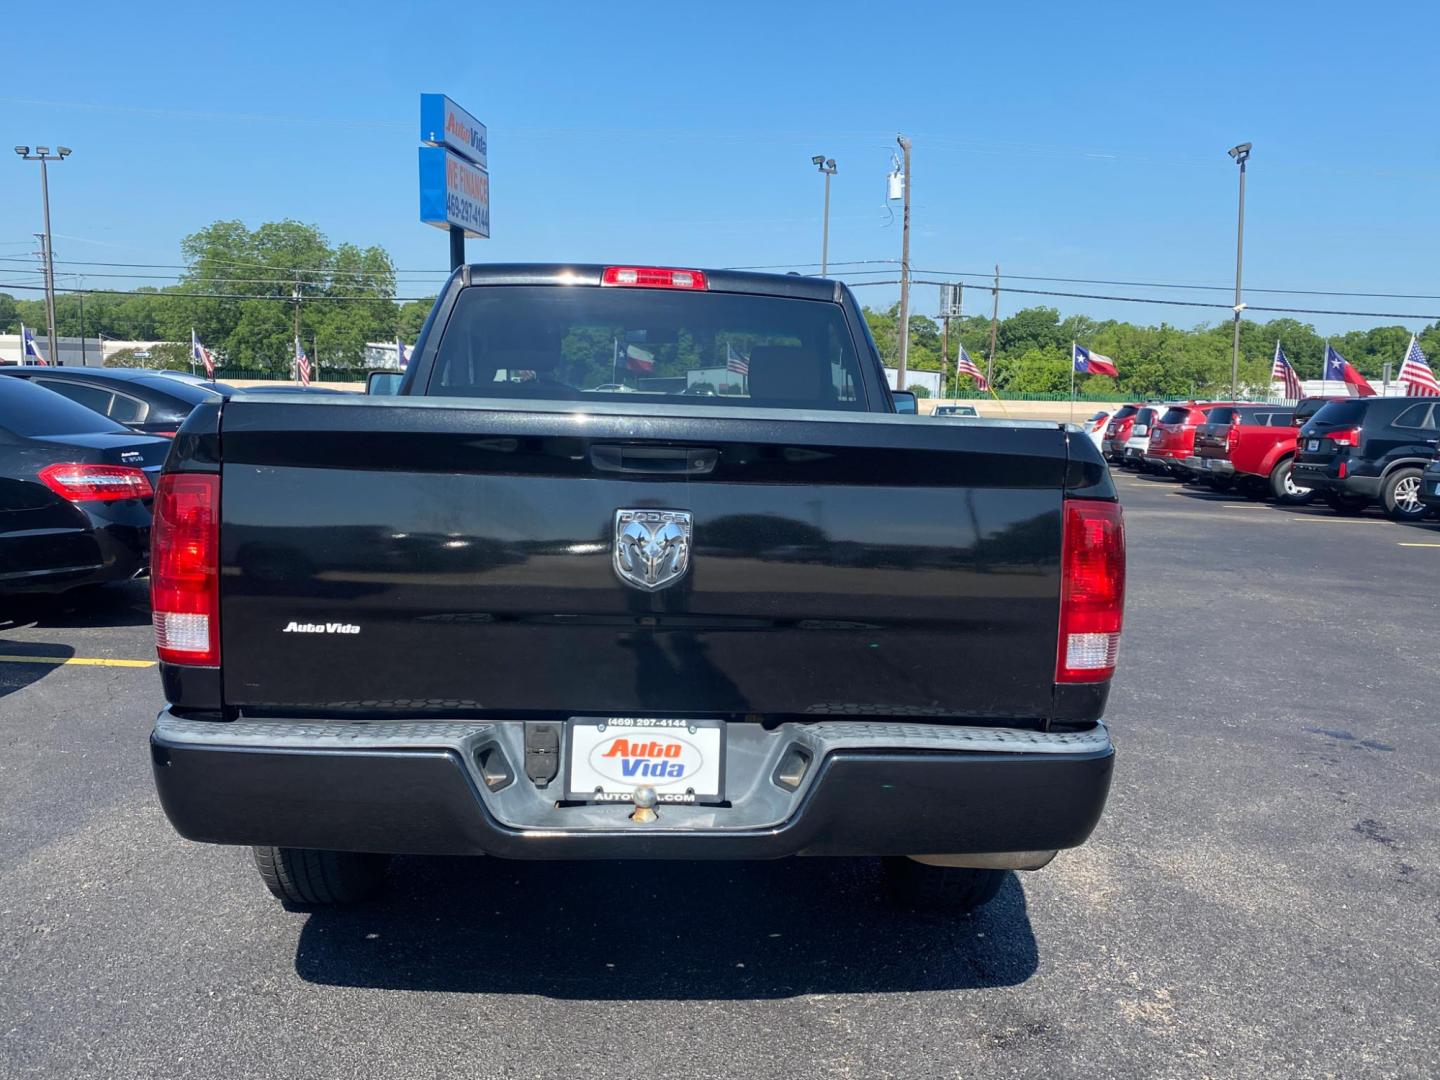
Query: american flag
1415, 373
28, 347
302, 365
1281, 371
202, 354
402, 354
965, 366
735, 362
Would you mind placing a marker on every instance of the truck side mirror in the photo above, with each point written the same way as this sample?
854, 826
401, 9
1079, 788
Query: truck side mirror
905, 402
384, 383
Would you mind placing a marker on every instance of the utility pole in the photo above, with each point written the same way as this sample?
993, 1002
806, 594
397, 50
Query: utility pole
994, 325
904, 270
1240, 154
826, 166
42, 154
80, 295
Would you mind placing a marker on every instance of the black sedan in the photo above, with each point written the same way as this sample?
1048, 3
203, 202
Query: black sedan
76, 491
151, 402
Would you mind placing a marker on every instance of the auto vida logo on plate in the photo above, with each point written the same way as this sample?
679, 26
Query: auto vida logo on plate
657, 759
652, 547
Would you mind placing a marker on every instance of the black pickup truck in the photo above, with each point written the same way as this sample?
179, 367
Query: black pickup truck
638, 563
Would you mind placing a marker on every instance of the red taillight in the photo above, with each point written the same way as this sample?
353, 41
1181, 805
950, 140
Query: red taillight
1092, 591
185, 569
1349, 436
653, 277
1232, 436
96, 483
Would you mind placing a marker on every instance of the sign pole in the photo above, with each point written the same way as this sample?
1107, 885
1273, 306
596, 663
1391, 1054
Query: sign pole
457, 247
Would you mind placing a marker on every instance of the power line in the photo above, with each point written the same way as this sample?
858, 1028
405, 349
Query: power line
287, 299
1180, 303
859, 284
985, 276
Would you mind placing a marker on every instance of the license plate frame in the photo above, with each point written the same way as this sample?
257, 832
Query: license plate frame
1312, 445
596, 780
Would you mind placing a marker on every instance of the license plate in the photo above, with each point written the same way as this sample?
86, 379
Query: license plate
1437, 489
1207, 463
683, 760
1312, 445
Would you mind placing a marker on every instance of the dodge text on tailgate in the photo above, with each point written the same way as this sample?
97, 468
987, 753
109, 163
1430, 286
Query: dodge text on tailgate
640, 563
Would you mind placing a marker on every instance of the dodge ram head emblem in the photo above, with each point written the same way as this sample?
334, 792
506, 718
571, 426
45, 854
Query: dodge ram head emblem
652, 547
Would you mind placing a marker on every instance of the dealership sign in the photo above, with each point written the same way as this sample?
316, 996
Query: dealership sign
453, 192
443, 123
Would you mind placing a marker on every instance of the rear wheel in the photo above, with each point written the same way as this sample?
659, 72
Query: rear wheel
1284, 489
320, 878
1346, 504
1400, 496
955, 889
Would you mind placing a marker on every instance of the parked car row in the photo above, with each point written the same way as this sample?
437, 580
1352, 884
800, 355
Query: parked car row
79, 450
1350, 453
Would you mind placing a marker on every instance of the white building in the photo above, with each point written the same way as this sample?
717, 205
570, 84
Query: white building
930, 380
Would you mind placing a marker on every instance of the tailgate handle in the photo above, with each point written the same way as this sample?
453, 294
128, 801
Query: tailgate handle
665, 460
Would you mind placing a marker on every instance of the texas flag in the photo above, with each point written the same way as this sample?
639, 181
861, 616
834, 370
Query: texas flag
29, 350
402, 354
1092, 363
1337, 367
637, 359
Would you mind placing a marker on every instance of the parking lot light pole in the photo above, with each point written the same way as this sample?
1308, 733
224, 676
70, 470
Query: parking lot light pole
826, 166
1240, 154
42, 154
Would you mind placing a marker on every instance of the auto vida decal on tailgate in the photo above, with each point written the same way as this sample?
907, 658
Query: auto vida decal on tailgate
320, 628
664, 759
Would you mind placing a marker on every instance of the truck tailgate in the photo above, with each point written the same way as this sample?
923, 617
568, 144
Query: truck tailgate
419, 558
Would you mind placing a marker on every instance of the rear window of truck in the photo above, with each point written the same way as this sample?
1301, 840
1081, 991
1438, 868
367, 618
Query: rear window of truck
583, 343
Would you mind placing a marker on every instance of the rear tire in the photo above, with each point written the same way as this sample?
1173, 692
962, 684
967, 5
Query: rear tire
320, 878
1284, 490
1400, 496
1350, 505
954, 889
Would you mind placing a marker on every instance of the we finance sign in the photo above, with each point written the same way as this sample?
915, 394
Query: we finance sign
443, 123
453, 192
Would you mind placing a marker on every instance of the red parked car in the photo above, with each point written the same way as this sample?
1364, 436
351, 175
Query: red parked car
1172, 439
1117, 430
1250, 446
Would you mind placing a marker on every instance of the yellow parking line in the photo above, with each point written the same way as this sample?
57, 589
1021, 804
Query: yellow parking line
83, 661
1405, 543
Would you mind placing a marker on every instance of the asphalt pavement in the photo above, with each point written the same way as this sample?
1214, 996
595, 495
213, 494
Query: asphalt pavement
1261, 899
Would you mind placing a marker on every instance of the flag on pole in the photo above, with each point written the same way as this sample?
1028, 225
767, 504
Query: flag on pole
637, 359
1415, 373
202, 355
402, 354
1086, 362
302, 364
1282, 372
965, 366
29, 348
1337, 367
735, 362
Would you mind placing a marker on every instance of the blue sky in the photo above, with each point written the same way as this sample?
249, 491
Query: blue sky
1083, 141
